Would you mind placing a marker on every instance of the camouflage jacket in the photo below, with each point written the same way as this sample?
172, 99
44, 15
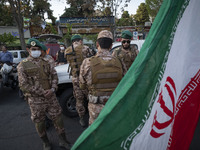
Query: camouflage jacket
127, 56
85, 77
31, 85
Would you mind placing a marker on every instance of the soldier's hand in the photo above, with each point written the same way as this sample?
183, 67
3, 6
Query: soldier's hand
48, 93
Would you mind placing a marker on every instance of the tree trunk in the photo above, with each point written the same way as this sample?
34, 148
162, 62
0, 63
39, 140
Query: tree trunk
16, 12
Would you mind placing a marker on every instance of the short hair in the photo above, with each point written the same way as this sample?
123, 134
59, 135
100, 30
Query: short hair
105, 42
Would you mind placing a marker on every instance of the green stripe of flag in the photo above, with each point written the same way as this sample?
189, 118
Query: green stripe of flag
129, 105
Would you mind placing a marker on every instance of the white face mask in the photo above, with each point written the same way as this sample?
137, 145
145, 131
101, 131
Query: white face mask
35, 54
62, 48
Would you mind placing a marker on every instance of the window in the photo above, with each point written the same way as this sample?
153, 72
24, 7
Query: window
15, 54
24, 54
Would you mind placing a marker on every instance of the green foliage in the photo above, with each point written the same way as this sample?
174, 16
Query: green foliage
79, 8
92, 37
142, 14
52, 29
125, 20
153, 7
67, 37
7, 38
5, 15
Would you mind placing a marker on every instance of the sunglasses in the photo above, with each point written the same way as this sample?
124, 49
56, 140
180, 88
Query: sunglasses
126, 42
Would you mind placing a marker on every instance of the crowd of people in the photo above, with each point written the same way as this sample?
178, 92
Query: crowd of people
94, 79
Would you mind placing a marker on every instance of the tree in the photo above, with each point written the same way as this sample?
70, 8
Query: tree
142, 14
85, 8
153, 7
80, 8
16, 13
40, 7
125, 20
5, 15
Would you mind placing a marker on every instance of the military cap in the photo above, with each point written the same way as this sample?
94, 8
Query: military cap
34, 42
105, 34
61, 43
76, 36
44, 48
127, 34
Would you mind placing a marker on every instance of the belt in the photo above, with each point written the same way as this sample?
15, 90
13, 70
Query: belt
98, 99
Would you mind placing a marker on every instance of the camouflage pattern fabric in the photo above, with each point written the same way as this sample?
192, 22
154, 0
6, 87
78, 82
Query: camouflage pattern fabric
85, 80
127, 56
78, 93
35, 94
94, 111
50, 59
85, 70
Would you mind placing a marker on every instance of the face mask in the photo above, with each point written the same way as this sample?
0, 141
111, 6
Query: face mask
62, 48
35, 54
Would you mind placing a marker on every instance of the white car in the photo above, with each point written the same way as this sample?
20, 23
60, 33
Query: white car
19, 55
65, 91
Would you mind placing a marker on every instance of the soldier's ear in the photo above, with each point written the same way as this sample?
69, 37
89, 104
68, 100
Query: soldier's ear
97, 44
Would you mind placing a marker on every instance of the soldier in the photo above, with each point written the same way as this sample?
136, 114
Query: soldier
126, 52
38, 81
60, 55
100, 74
75, 54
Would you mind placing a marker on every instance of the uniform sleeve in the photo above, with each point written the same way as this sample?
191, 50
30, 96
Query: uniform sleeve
54, 76
27, 88
84, 71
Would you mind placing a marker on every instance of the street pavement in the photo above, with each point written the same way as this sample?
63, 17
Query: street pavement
17, 131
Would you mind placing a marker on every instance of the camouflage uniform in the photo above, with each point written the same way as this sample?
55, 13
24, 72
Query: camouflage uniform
78, 93
126, 55
38, 82
97, 99
129, 54
34, 91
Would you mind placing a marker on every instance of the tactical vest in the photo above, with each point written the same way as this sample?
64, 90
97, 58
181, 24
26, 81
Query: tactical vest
106, 74
33, 70
75, 59
61, 57
128, 60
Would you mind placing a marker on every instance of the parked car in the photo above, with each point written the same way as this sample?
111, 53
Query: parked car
65, 91
19, 55
136, 43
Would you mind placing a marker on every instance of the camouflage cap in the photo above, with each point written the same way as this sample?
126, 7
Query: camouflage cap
76, 36
44, 48
105, 34
126, 34
34, 42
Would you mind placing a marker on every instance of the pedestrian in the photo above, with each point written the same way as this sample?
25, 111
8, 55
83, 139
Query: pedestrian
126, 52
100, 75
60, 56
75, 54
38, 81
6, 56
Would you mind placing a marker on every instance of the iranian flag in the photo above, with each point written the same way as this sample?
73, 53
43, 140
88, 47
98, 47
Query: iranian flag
156, 106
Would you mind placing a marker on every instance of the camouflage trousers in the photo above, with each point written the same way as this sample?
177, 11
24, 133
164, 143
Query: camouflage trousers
80, 96
41, 107
94, 111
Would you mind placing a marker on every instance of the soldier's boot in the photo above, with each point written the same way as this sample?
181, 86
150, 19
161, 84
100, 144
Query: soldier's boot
63, 142
46, 144
82, 122
40, 127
